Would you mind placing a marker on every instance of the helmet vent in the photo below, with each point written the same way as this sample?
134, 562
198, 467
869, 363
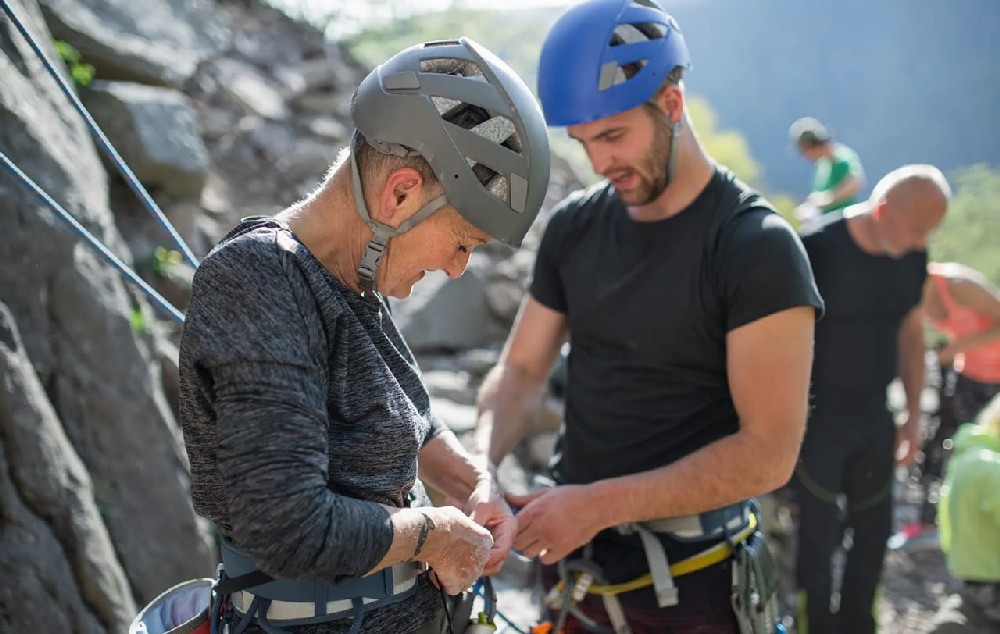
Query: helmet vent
613, 74
651, 4
452, 66
497, 129
630, 33
442, 43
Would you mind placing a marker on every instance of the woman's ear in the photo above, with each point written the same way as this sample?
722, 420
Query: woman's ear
400, 197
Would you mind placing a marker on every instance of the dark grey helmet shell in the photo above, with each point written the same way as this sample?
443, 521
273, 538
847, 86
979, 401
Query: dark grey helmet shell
406, 102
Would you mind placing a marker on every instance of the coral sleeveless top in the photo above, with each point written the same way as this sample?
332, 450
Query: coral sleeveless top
981, 363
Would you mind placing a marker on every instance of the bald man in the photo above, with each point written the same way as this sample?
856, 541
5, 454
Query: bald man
870, 262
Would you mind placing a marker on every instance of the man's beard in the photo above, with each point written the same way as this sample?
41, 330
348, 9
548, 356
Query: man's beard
652, 172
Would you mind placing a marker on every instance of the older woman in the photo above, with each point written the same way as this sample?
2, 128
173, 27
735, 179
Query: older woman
303, 410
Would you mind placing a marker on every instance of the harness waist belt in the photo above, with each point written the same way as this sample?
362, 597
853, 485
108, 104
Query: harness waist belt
725, 522
405, 577
309, 598
707, 525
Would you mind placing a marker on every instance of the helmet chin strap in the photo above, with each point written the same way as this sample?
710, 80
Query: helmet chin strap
375, 248
675, 136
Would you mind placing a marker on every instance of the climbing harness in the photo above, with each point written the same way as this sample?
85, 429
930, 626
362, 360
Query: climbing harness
753, 592
228, 604
119, 164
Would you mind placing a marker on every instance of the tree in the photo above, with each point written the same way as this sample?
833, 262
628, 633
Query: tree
970, 233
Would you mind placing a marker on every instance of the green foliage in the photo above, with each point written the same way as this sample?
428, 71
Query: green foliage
81, 72
138, 320
728, 147
970, 233
515, 36
164, 260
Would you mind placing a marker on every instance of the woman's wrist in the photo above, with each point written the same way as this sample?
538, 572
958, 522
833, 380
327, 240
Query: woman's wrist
427, 525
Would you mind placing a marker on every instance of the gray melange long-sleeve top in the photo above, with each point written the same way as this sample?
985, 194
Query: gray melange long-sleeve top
302, 407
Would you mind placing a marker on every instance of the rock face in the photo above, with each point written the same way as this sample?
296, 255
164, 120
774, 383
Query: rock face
222, 110
96, 515
59, 566
159, 43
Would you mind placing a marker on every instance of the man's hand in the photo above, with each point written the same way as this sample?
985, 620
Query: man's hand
806, 212
554, 522
909, 436
487, 508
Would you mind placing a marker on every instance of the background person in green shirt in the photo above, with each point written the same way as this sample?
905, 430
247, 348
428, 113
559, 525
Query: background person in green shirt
838, 178
969, 515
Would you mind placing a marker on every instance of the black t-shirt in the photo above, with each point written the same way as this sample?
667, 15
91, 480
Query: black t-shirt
867, 296
648, 306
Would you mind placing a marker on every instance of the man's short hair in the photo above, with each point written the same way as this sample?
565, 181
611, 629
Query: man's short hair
808, 132
674, 78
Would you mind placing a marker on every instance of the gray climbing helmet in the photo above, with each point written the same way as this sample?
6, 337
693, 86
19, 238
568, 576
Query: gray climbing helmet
473, 120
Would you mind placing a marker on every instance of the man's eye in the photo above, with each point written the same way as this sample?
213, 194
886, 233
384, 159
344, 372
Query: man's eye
463, 249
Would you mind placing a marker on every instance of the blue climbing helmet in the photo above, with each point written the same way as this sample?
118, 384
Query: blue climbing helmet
603, 57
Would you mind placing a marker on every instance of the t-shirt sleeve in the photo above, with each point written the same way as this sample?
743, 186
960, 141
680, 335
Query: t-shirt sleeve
546, 281
255, 333
918, 267
763, 269
845, 163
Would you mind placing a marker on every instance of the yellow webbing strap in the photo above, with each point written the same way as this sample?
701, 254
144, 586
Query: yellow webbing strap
704, 559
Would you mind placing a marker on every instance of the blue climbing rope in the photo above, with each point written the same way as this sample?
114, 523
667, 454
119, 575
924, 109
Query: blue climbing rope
93, 241
103, 141
123, 169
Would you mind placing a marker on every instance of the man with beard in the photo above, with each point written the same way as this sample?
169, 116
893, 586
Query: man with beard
690, 308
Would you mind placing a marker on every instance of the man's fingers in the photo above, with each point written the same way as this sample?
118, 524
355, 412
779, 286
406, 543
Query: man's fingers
530, 549
551, 555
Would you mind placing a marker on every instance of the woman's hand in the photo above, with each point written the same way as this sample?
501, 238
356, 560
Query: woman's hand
487, 508
455, 547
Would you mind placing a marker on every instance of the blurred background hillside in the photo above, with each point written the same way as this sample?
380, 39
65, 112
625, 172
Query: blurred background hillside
899, 82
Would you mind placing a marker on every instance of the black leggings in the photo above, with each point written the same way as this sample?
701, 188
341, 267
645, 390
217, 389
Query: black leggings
960, 399
849, 456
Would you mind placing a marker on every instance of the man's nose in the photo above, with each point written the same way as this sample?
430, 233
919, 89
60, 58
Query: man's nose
599, 161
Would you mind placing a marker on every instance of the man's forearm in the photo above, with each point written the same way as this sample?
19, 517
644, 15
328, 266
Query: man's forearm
507, 401
727, 471
831, 197
912, 366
